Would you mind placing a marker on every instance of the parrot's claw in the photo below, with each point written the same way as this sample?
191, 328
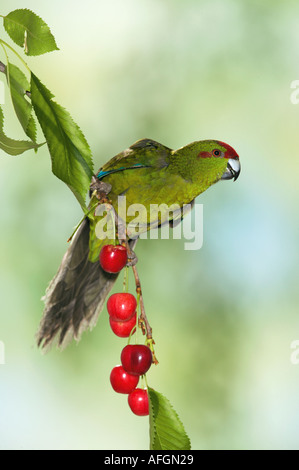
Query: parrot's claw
101, 188
132, 259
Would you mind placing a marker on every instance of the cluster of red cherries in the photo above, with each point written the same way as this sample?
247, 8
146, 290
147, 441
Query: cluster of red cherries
136, 359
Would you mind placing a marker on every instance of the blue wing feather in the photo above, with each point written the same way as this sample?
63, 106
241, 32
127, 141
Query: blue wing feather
102, 173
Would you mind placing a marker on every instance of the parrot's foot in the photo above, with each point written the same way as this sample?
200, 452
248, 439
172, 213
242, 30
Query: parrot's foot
132, 258
101, 189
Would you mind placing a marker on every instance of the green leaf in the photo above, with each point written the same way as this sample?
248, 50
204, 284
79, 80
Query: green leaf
11, 146
28, 30
18, 85
70, 153
31, 129
166, 429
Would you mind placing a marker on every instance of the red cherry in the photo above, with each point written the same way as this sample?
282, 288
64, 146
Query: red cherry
138, 402
121, 381
136, 358
123, 328
122, 306
113, 258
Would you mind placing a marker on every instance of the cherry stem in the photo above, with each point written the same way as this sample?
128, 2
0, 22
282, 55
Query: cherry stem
143, 321
146, 384
126, 280
137, 317
132, 332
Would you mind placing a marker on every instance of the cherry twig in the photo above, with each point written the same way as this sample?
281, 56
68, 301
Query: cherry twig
143, 323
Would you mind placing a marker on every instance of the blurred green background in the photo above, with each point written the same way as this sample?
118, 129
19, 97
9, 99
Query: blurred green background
223, 317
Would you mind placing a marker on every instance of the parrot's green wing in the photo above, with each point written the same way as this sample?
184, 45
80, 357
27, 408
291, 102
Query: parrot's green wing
141, 174
145, 153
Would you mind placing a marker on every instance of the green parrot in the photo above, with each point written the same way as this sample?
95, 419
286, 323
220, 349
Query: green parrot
146, 173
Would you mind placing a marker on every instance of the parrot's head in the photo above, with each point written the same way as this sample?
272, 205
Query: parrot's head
220, 151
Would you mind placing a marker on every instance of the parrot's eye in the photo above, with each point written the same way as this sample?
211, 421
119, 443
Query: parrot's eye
217, 153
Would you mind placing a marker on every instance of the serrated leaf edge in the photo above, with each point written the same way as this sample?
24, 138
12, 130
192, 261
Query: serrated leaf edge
176, 415
25, 32
33, 145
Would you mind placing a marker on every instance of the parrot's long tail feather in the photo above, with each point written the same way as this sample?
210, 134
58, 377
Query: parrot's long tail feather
75, 296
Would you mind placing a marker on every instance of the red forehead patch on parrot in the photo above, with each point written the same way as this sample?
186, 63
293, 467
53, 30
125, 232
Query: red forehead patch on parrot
230, 152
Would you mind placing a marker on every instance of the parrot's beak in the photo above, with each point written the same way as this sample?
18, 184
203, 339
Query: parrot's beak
232, 170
